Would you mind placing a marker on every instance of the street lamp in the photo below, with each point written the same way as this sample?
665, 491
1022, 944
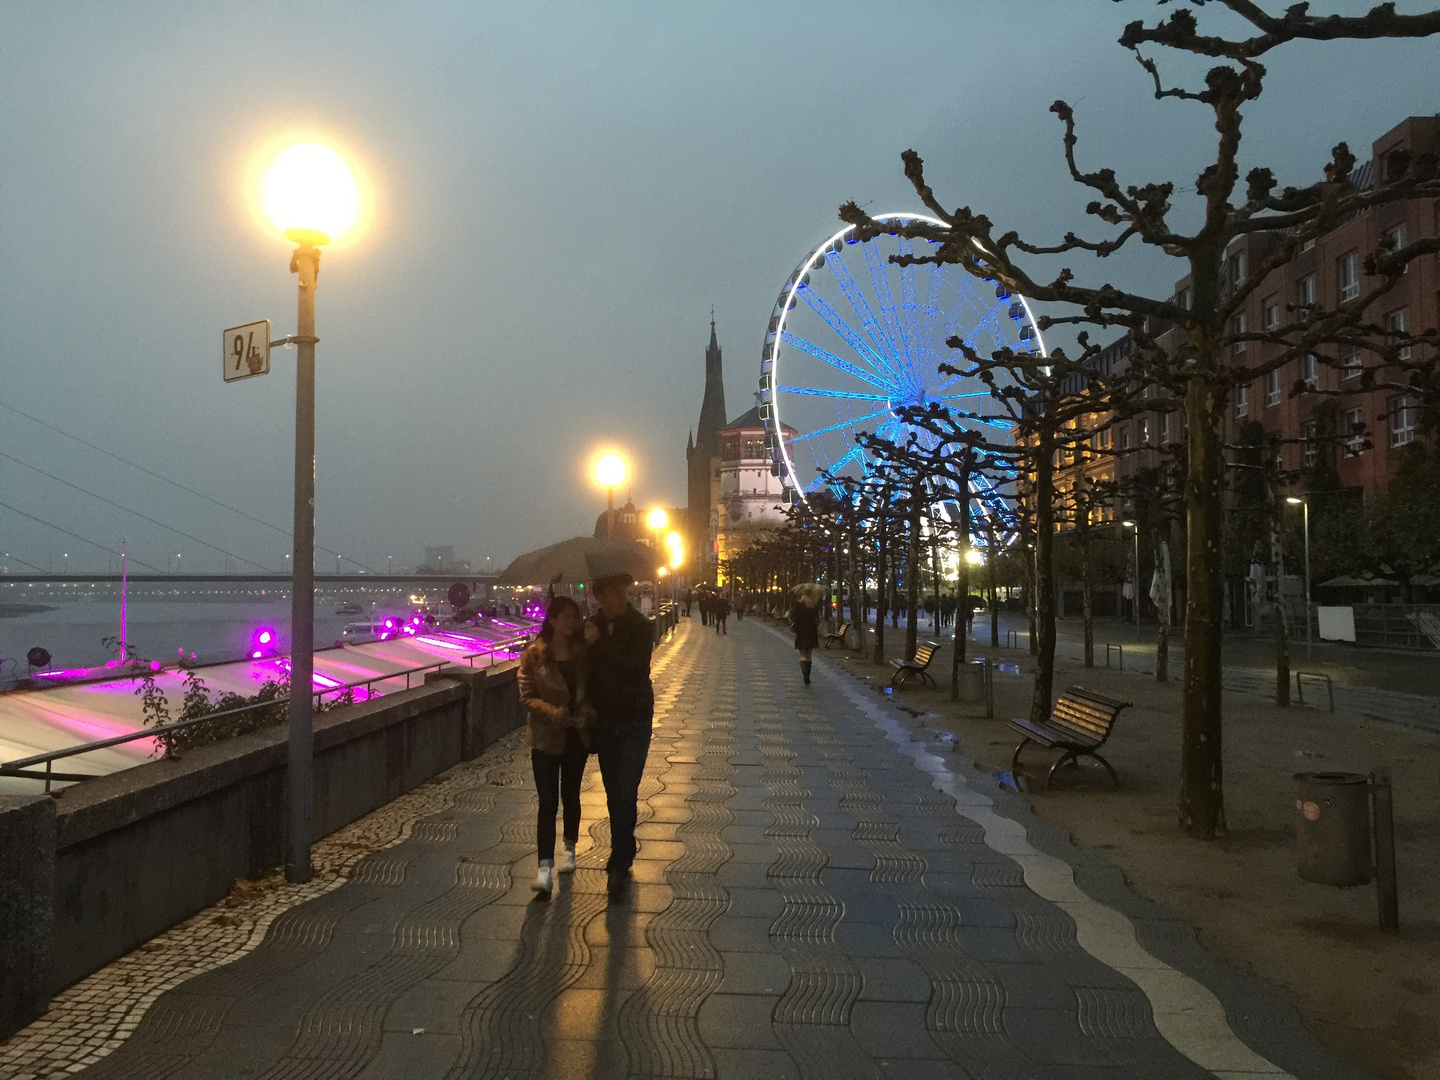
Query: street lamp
1304, 503
311, 198
610, 474
1136, 526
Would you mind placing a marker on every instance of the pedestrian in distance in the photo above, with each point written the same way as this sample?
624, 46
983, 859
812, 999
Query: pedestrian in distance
704, 602
553, 681
720, 613
805, 621
689, 599
620, 641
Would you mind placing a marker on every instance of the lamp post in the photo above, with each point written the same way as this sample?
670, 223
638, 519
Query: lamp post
657, 519
610, 474
311, 197
1305, 511
1136, 526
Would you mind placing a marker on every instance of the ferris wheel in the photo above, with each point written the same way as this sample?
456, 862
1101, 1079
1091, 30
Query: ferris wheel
853, 339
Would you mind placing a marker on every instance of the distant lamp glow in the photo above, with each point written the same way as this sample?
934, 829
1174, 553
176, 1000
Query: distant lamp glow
974, 557
610, 471
658, 519
310, 194
1128, 524
663, 571
1293, 500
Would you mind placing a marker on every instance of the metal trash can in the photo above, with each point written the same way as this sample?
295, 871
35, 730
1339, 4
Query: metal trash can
972, 681
1332, 827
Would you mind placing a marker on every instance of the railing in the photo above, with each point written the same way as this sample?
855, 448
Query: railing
1117, 648
25, 767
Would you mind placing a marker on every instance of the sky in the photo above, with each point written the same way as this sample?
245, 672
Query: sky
557, 193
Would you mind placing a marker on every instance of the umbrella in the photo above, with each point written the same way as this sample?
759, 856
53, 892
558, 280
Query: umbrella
578, 560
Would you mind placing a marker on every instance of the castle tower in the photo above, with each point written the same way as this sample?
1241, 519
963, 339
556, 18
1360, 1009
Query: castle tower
702, 461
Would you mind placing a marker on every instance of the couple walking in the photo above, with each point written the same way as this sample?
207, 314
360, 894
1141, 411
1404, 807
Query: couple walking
585, 687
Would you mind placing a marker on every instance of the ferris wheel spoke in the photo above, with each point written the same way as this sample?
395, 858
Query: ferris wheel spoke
814, 392
909, 315
847, 332
863, 311
880, 282
811, 349
837, 427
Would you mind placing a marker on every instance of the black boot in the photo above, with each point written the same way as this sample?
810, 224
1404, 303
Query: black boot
805, 670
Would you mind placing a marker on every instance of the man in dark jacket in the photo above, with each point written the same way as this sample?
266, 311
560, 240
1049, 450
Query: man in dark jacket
620, 641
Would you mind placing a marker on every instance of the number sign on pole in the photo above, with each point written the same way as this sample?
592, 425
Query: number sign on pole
246, 351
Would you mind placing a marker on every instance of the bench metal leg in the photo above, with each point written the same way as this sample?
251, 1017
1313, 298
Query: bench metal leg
898, 679
1069, 756
1015, 758
1115, 780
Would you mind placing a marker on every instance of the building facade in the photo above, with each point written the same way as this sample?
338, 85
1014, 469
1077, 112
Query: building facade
749, 497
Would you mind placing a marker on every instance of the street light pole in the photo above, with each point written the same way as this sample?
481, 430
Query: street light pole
1136, 526
1309, 637
306, 264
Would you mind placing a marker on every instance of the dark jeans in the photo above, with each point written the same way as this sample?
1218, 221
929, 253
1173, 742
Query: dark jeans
557, 780
622, 765
720, 627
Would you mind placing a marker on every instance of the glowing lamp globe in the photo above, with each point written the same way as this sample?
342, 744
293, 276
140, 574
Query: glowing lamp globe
658, 519
310, 194
673, 541
610, 471
974, 557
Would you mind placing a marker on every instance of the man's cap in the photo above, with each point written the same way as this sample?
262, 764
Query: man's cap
613, 579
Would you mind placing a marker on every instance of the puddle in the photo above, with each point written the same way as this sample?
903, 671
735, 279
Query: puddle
1006, 779
1008, 669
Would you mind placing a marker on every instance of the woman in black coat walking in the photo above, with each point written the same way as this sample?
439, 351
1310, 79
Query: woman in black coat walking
805, 621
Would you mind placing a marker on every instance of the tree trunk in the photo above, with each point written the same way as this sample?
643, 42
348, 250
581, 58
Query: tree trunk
1277, 560
912, 577
1162, 615
854, 566
882, 581
990, 555
1042, 640
1087, 607
1202, 792
935, 580
962, 591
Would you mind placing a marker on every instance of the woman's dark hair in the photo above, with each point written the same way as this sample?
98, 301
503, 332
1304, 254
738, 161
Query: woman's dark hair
557, 605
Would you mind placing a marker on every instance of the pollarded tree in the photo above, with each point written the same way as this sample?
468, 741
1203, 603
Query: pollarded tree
1199, 364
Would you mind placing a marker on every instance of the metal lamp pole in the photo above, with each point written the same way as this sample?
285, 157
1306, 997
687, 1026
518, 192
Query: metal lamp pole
306, 264
1309, 637
1136, 526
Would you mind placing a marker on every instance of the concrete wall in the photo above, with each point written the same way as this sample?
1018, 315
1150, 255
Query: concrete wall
109, 863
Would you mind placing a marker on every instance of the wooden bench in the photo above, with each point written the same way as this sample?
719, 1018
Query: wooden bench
1078, 725
916, 665
838, 635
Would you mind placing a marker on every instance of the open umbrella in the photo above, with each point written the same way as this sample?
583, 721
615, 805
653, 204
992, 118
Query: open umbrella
578, 560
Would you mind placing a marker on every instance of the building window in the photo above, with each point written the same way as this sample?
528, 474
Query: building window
1397, 323
1235, 270
1145, 432
1182, 299
1347, 275
1305, 291
1311, 431
1396, 237
1310, 371
1351, 363
1306, 246
1237, 327
1242, 402
1272, 388
1271, 309
1355, 432
1164, 427
1125, 437
1402, 420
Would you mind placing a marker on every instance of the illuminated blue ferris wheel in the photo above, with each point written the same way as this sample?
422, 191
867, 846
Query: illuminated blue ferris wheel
854, 339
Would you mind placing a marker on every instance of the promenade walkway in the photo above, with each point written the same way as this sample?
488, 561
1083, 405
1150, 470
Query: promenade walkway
823, 891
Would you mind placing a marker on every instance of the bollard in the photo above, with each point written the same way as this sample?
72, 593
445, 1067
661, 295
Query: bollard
1385, 888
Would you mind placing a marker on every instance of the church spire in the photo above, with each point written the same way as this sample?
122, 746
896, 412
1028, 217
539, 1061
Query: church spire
712, 406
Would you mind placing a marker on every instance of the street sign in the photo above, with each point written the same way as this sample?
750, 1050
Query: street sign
245, 351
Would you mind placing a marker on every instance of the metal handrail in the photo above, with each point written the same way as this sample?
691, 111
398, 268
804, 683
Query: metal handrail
1109, 646
21, 766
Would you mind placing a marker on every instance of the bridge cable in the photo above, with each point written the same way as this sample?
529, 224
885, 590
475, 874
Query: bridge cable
178, 484
75, 536
136, 513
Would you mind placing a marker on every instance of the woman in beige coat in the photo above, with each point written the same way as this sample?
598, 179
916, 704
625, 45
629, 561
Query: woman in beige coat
553, 680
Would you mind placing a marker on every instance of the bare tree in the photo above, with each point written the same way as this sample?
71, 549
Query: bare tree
1199, 365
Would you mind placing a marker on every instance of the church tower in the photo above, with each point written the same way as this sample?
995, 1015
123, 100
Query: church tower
702, 461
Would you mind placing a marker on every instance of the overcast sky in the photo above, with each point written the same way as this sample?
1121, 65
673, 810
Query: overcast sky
560, 193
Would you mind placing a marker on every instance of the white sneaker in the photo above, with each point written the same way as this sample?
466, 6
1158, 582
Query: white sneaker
544, 882
566, 863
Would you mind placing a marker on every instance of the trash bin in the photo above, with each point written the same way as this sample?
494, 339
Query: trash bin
972, 681
1332, 827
